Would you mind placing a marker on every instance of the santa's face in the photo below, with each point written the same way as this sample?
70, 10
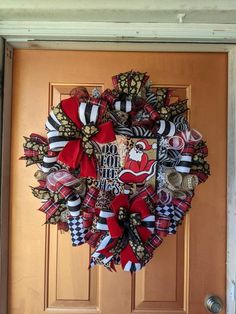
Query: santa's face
136, 152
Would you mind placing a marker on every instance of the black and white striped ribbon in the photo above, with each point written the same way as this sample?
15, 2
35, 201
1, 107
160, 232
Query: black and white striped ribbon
48, 163
73, 204
88, 113
130, 266
123, 130
140, 131
56, 167
168, 157
149, 223
151, 98
181, 123
123, 105
56, 142
96, 255
102, 220
52, 122
184, 165
166, 128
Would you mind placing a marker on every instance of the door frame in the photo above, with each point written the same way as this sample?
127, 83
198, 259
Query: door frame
5, 113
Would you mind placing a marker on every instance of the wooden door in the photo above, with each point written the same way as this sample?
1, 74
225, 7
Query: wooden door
46, 274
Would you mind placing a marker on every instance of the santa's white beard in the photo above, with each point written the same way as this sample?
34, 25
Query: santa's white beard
135, 155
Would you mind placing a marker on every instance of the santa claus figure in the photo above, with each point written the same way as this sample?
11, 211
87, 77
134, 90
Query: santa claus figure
138, 168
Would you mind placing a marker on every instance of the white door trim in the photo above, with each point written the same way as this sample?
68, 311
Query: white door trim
231, 162
231, 184
118, 31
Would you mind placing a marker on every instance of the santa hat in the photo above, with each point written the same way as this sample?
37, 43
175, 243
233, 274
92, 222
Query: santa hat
146, 145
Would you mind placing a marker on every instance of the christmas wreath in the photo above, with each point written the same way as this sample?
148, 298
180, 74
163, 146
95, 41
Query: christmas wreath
118, 169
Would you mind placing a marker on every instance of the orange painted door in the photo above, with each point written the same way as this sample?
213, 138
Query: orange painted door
46, 274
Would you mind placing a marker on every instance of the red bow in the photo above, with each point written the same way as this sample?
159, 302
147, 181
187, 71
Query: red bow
73, 154
128, 230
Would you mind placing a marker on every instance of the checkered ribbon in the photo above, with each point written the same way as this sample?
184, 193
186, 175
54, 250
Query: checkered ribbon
168, 217
80, 225
77, 230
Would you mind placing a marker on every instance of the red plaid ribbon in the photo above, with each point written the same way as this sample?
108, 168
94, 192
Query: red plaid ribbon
162, 225
62, 190
90, 199
108, 96
202, 177
88, 206
39, 139
87, 219
188, 149
149, 192
153, 243
154, 115
49, 208
182, 205
92, 238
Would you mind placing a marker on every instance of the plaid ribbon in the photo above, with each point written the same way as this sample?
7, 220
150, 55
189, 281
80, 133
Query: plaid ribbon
90, 199
162, 225
61, 183
152, 243
93, 238
154, 115
148, 191
49, 208
109, 96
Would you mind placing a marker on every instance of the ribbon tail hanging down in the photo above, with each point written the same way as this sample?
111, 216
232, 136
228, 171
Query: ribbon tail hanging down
71, 154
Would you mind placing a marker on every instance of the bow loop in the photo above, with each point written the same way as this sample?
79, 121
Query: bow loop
118, 202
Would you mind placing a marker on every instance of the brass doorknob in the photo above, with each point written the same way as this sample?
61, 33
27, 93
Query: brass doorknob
213, 304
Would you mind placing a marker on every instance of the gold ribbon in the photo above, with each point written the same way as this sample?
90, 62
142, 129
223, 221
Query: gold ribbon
87, 131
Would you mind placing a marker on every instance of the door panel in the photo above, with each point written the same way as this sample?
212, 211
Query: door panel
46, 273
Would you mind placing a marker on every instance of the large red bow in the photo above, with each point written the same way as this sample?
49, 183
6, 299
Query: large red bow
73, 154
129, 227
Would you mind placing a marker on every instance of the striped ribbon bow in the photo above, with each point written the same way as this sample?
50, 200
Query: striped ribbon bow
130, 225
75, 139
